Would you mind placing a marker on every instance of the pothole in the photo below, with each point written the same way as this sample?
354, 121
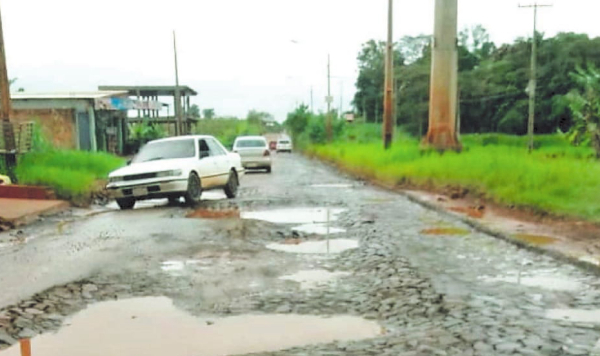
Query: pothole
445, 231
575, 315
333, 246
539, 240
543, 282
295, 215
204, 213
318, 229
332, 185
314, 278
154, 327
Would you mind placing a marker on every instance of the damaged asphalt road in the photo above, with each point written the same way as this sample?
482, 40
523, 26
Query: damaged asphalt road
458, 293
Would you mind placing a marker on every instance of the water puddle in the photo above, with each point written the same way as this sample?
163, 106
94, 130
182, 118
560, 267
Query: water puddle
172, 266
314, 278
539, 240
549, 283
445, 231
204, 213
154, 327
590, 259
318, 229
316, 247
575, 315
294, 215
214, 195
334, 185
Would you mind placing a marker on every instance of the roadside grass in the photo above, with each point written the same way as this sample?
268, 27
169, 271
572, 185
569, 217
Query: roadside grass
71, 174
556, 178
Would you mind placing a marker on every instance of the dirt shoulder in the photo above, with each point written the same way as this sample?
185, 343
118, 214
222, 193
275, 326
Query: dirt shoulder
573, 240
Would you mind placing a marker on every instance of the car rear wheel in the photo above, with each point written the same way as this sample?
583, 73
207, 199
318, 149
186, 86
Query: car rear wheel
232, 185
194, 189
268, 169
126, 203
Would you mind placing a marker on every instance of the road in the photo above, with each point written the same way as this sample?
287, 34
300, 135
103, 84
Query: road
432, 285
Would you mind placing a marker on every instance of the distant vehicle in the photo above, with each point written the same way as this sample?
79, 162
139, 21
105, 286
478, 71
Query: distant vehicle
176, 167
284, 145
273, 145
254, 152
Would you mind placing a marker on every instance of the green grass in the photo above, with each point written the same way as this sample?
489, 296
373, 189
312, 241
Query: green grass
71, 174
556, 178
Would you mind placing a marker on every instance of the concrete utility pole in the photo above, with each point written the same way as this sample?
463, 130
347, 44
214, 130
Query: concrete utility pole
178, 119
329, 100
388, 96
444, 78
532, 88
7, 127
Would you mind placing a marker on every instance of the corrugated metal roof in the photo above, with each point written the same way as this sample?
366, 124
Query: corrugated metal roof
69, 95
149, 90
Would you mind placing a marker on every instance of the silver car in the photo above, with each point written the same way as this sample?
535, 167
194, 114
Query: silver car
254, 152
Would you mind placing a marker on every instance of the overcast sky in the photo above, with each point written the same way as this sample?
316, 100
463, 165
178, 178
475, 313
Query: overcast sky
238, 54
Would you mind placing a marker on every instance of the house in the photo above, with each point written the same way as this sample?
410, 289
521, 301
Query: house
92, 121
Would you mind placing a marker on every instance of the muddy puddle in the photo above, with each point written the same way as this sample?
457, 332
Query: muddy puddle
538, 240
544, 282
154, 327
295, 215
332, 185
445, 231
318, 229
575, 315
332, 246
175, 266
204, 213
314, 278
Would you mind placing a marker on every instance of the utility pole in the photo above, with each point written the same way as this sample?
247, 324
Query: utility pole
532, 88
388, 98
444, 78
178, 119
329, 100
10, 157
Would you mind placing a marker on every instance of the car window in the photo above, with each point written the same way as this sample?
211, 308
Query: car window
172, 149
204, 149
250, 143
215, 148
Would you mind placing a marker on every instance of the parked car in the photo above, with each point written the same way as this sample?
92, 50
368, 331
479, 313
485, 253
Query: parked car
176, 167
254, 152
284, 145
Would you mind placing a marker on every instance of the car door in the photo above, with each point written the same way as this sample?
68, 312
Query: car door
207, 165
221, 162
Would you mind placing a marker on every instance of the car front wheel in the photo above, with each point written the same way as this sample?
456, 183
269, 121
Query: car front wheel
232, 185
126, 203
194, 189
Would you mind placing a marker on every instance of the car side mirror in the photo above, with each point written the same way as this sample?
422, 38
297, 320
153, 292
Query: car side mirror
129, 161
204, 154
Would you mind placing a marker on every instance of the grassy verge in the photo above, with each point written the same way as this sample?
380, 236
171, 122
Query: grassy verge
71, 174
556, 178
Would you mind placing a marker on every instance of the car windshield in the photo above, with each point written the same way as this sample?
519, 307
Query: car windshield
156, 151
250, 144
284, 142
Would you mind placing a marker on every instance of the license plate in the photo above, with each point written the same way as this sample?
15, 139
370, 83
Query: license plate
139, 191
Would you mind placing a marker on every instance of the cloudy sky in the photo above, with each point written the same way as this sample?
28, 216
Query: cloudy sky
238, 54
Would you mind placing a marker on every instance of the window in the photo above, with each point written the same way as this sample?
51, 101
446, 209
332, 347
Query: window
215, 148
170, 149
251, 144
204, 149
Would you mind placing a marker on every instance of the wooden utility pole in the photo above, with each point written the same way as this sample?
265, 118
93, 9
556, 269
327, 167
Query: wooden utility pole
329, 99
388, 95
444, 78
532, 88
7, 127
178, 119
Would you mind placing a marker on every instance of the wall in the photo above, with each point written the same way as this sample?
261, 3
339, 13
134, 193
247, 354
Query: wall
58, 125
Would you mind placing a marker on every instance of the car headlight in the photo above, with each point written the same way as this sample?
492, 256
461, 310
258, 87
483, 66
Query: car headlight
173, 173
115, 179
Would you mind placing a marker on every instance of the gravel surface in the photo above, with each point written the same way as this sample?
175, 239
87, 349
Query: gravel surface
457, 294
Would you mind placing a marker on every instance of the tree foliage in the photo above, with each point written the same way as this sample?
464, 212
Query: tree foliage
585, 106
208, 113
492, 81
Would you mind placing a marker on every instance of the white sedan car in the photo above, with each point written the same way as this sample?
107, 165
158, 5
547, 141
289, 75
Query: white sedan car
254, 152
177, 167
